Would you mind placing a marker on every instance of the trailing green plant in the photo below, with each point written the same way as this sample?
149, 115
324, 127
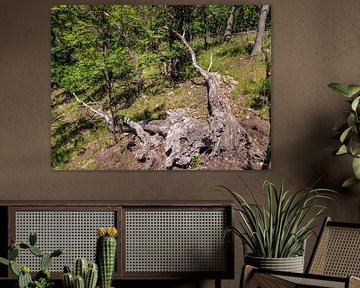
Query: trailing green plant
105, 254
279, 229
349, 131
42, 278
85, 275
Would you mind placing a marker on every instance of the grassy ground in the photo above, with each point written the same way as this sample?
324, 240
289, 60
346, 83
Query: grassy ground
78, 138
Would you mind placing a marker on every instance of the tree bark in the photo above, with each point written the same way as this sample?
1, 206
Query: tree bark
184, 137
260, 33
227, 133
230, 24
108, 81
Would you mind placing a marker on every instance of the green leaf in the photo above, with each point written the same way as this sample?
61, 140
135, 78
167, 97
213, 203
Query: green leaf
356, 167
354, 90
4, 261
340, 88
354, 145
349, 182
342, 150
355, 103
351, 120
345, 134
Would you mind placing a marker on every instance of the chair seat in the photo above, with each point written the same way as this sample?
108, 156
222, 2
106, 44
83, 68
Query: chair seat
314, 282
268, 279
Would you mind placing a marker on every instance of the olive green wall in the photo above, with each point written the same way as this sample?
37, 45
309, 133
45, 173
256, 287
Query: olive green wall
314, 43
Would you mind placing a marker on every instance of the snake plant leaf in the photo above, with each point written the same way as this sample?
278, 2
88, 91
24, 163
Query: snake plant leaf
342, 150
355, 103
356, 167
349, 182
341, 89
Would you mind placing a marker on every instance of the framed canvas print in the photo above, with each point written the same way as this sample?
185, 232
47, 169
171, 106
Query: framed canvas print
160, 87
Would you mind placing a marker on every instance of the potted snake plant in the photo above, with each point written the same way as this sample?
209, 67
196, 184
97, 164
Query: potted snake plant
348, 132
274, 234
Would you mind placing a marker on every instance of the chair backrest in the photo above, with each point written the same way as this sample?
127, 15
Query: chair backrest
337, 251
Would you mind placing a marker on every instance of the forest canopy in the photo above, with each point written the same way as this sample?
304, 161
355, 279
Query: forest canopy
117, 68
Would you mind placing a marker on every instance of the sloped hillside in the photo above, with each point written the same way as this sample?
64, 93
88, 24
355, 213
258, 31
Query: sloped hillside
81, 140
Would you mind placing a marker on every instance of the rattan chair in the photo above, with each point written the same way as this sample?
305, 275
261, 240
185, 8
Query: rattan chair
334, 263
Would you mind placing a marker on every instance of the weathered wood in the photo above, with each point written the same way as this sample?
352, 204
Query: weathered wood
184, 137
227, 133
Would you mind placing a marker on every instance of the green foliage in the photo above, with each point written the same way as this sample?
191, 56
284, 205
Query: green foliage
42, 278
195, 162
43, 283
279, 229
145, 62
349, 131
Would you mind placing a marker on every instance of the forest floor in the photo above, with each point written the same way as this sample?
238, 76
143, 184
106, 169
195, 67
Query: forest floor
81, 141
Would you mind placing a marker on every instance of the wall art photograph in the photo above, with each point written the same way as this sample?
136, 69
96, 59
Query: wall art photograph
160, 87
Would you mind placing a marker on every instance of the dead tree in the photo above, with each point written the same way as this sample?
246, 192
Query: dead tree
184, 137
227, 133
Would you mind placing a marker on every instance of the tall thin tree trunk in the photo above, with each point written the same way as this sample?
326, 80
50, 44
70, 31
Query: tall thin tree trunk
206, 19
108, 80
260, 33
230, 24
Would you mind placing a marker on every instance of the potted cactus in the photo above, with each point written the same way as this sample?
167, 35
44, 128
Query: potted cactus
84, 275
106, 254
42, 278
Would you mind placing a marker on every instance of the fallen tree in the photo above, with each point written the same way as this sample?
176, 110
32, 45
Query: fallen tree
184, 137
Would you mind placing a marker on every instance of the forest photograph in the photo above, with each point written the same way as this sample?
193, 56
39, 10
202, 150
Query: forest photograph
160, 87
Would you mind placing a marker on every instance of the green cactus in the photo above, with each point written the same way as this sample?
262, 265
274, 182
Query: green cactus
23, 273
80, 267
68, 280
44, 273
91, 276
13, 253
36, 251
32, 238
79, 282
67, 269
24, 245
87, 272
57, 252
45, 261
105, 258
24, 280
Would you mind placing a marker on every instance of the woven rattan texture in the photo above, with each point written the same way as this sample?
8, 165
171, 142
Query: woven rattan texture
306, 282
338, 253
75, 231
267, 280
175, 241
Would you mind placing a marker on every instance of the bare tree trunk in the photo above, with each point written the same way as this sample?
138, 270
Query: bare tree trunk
206, 19
260, 33
227, 133
230, 24
108, 80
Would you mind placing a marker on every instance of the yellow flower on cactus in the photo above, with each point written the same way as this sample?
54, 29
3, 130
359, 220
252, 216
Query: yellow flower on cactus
106, 231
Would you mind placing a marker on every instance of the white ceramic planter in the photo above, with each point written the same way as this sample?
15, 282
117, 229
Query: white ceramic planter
291, 264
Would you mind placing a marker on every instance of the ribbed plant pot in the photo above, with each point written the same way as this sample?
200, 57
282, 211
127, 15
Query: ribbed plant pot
291, 264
